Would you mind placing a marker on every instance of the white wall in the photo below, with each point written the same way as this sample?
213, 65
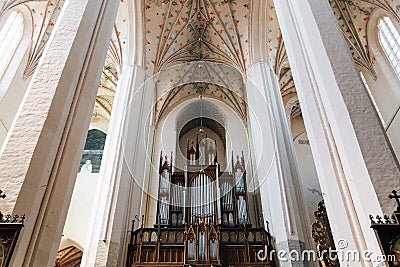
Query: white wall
308, 174
77, 225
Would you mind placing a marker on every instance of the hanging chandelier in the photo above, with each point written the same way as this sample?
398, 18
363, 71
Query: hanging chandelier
201, 87
201, 130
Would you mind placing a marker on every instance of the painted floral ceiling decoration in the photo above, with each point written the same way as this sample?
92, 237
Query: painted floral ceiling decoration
111, 71
178, 83
179, 31
215, 91
106, 92
192, 41
276, 50
286, 82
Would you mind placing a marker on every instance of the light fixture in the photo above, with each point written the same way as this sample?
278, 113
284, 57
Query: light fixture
201, 130
200, 88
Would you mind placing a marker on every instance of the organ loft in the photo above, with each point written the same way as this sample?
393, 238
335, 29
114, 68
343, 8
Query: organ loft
202, 215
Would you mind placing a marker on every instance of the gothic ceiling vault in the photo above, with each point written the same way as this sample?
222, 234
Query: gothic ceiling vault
111, 70
206, 43
191, 41
180, 31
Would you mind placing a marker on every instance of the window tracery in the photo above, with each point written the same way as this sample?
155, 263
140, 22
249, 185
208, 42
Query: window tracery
389, 39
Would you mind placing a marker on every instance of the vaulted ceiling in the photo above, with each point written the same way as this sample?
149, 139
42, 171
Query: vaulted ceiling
106, 92
212, 80
180, 31
193, 41
197, 41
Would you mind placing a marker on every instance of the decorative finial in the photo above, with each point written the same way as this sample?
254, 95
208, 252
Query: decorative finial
397, 198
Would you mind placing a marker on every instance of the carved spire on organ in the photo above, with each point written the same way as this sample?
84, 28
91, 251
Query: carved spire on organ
240, 163
216, 152
165, 164
192, 152
202, 152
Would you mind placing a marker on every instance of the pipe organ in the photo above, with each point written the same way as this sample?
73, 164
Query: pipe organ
202, 216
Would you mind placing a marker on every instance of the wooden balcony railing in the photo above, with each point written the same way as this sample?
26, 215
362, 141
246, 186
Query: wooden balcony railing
200, 244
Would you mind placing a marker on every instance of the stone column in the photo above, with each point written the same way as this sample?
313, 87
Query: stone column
125, 165
122, 173
40, 158
273, 159
355, 164
275, 165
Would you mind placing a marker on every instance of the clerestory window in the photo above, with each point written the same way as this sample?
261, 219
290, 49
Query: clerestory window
389, 39
10, 37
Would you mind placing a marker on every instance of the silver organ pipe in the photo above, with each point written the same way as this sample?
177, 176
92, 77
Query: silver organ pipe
193, 199
164, 210
185, 195
218, 195
242, 210
239, 181
227, 197
164, 185
202, 199
164, 196
176, 199
202, 246
181, 200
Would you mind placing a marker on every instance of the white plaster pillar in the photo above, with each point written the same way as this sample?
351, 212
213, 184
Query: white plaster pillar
274, 163
125, 166
355, 165
40, 157
122, 173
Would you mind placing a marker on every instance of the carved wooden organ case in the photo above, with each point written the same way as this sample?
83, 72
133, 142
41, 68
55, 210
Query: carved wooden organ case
201, 192
202, 217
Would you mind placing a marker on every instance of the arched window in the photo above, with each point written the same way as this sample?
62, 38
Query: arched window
10, 37
389, 39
